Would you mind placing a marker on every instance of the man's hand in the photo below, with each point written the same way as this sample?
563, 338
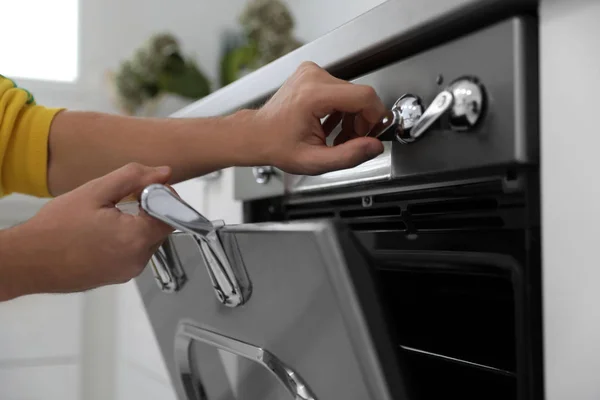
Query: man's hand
81, 240
286, 133
290, 134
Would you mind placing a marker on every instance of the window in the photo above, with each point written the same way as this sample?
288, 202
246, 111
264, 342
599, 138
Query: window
39, 39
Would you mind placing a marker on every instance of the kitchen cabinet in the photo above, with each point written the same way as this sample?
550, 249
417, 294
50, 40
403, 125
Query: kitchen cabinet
53, 382
41, 327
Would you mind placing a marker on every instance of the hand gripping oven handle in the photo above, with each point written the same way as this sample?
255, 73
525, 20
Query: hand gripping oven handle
221, 255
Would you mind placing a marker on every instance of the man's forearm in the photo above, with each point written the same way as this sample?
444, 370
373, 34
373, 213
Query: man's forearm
84, 146
15, 267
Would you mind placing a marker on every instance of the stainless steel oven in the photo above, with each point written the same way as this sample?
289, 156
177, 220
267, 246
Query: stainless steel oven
413, 276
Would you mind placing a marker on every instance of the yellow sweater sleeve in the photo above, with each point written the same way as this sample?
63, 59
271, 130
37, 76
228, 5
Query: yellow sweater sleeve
24, 130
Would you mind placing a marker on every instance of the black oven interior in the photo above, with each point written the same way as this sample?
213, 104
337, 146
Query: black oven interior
458, 269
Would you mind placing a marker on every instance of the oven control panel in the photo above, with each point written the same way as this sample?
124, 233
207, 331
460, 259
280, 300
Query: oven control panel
462, 102
468, 104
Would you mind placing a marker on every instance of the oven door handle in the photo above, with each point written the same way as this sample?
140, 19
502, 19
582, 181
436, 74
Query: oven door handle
188, 333
224, 265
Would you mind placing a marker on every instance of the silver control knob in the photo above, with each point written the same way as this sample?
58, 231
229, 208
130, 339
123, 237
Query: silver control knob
469, 102
463, 101
263, 174
407, 110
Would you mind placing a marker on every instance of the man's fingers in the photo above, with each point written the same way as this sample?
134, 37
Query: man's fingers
332, 122
350, 98
130, 179
154, 230
347, 131
346, 155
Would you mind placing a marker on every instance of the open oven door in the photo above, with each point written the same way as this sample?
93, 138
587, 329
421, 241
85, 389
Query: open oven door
267, 311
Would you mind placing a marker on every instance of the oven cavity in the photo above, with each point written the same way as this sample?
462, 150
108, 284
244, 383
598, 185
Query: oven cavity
454, 324
452, 269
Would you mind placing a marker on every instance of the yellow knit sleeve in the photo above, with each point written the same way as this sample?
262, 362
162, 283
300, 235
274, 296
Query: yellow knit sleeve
24, 130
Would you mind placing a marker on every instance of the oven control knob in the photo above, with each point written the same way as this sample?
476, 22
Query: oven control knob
469, 103
463, 101
407, 110
263, 174
410, 110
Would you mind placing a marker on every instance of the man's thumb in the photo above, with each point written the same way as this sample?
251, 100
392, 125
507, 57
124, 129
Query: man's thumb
127, 180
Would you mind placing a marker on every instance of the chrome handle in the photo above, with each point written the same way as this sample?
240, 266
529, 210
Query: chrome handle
230, 282
464, 102
187, 333
263, 174
442, 102
166, 266
161, 203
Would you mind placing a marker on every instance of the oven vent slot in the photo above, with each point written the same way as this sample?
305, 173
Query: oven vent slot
370, 212
312, 215
458, 223
380, 226
452, 206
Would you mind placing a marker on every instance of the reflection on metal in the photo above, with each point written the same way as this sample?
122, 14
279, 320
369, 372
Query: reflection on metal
263, 174
224, 265
469, 103
463, 100
407, 110
187, 334
442, 102
375, 170
212, 176
459, 361
166, 266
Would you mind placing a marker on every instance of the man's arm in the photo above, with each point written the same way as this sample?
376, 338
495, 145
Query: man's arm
286, 133
80, 240
85, 145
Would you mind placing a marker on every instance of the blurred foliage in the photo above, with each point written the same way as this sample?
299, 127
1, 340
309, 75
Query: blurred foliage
158, 67
267, 34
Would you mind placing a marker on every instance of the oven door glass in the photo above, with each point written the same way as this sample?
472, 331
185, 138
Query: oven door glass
312, 327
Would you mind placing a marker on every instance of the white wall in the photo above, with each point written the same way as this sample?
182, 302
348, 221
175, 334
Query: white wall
314, 18
570, 141
99, 345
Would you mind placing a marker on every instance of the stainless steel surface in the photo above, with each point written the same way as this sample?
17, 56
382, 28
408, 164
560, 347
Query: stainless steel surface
305, 284
166, 266
469, 103
376, 170
263, 174
496, 55
188, 333
213, 176
442, 103
230, 282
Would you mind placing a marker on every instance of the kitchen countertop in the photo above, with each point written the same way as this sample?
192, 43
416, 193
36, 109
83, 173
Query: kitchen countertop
406, 26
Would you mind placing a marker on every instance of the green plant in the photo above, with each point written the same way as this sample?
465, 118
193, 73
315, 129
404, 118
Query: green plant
158, 67
267, 34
